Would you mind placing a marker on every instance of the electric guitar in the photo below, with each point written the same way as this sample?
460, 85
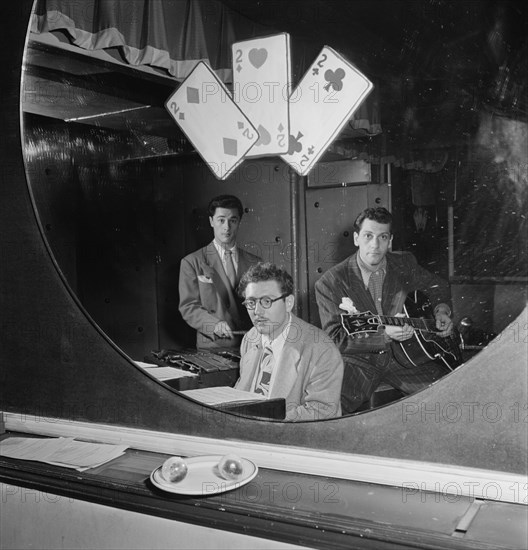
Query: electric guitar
425, 345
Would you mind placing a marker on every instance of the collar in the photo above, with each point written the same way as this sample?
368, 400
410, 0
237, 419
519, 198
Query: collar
366, 270
277, 343
221, 250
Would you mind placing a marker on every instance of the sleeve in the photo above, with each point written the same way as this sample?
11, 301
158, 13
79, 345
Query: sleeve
191, 308
329, 290
322, 392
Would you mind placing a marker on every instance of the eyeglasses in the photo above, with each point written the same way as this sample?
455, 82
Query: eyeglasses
265, 302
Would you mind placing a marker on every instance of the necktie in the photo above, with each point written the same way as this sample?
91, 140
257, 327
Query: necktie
230, 267
267, 363
375, 286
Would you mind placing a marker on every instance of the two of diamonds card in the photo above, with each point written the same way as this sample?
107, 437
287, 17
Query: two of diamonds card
262, 87
220, 132
323, 102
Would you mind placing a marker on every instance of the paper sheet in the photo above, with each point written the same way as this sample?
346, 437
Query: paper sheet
166, 373
222, 394
62, 451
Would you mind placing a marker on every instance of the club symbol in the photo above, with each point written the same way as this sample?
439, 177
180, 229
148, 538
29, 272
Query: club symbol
334, 79
294, 144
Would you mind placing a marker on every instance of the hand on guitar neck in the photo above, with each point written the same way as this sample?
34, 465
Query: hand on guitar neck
400, 333
434, 337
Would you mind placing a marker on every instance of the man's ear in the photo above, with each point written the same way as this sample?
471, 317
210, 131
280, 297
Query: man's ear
290, 301
210, 221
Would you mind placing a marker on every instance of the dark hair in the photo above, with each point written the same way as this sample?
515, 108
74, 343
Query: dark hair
225, 201
379, 214
266, 271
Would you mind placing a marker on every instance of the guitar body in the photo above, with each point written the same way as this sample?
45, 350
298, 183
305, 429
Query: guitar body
426, 346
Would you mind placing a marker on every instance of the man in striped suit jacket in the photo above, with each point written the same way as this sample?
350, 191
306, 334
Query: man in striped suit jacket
376, 280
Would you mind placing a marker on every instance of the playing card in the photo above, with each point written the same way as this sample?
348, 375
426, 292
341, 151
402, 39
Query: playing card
323, 102
261, 88
206, 113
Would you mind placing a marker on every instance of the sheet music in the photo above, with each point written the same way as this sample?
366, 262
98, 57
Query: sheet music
222, 394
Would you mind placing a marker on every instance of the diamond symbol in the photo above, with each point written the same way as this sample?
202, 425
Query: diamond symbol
281, 127
239, 68
181, 116
240, 125
230, 146
193, 95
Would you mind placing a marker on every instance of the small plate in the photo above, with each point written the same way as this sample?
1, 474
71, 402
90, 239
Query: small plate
203, 477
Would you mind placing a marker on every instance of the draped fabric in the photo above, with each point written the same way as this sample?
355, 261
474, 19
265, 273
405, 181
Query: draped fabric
172, 35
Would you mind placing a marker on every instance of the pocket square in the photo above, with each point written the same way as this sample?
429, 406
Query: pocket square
205, 279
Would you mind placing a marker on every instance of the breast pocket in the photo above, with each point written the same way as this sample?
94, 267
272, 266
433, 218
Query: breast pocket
208, 295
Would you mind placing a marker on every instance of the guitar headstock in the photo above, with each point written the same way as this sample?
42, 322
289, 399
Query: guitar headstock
354, 323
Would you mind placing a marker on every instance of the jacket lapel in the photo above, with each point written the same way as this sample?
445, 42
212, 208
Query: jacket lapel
251, 361
357, 288
220, 279
286, 373
393, 293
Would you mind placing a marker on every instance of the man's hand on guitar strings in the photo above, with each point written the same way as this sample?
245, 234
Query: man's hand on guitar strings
444, 324
399, 333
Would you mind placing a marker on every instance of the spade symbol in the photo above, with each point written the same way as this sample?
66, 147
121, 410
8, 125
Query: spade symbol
264, 136
334, 79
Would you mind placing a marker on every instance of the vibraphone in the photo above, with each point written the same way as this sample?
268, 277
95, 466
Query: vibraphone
218, 368
214, 368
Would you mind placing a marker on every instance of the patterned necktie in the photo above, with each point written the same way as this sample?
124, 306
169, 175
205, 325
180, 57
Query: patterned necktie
375, 285
230, 268
267, 363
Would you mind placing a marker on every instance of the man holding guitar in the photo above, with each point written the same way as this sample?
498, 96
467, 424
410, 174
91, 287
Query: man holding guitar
362, 303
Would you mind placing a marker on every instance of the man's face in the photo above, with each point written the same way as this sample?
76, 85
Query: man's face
273, 320
373, 240
225, 224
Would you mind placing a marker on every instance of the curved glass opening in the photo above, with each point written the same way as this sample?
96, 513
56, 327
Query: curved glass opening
122, 194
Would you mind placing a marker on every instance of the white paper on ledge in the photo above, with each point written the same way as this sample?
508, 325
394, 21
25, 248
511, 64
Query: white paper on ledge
61, 451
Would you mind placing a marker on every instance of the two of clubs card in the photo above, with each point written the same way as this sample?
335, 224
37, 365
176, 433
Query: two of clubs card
321, 105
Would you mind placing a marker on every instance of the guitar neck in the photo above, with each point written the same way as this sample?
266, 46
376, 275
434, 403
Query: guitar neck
428, 325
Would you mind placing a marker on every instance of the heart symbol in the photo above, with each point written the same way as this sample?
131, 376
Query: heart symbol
264, 136
258, 57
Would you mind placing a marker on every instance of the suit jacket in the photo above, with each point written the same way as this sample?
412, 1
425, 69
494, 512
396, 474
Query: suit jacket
403, 275
206, 297
309, 371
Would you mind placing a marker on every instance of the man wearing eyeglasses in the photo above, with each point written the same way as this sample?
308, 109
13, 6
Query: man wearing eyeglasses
209, 302
283, 356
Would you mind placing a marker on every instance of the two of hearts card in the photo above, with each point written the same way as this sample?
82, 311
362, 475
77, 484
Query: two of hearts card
263, 116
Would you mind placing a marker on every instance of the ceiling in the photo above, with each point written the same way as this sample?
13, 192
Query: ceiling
432, 61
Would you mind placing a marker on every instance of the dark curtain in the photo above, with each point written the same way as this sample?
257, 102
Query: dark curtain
172, 35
